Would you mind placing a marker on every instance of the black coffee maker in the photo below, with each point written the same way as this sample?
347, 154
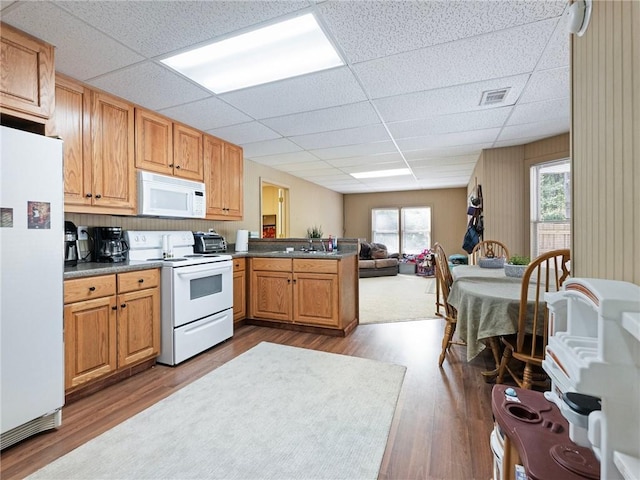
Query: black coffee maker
70, 244
109, 245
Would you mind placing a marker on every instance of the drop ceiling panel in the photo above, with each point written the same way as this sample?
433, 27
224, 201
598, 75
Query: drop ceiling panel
547, 84
543, 129
82, 52
150, 86
442, 101
245, 133
374, 167
500, 54
449, 139
557, 52
283, 158
206, 114
368, 160
155, 28
355, 150
474, 149
368, 30
304, 168
435, 162
541, 111
269, 147
338, 138
324, 120
324, 89
458, 122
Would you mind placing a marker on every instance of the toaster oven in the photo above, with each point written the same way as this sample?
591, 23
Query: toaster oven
210, 242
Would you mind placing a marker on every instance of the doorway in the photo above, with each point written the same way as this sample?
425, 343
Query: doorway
274, 210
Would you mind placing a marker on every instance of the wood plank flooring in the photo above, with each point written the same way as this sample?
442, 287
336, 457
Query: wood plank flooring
440, 430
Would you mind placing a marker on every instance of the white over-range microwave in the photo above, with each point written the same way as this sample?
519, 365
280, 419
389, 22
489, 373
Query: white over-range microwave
163, 196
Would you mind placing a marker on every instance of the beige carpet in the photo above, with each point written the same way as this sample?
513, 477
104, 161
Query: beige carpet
399, 298
275, 412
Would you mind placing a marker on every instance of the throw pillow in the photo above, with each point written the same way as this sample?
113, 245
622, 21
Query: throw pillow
365, 251
378, 251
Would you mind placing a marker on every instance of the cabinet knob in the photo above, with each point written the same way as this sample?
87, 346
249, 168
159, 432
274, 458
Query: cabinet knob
141, 280
178, 167
288, 280
89, 195
92, 289
171, 165
123, 305
98, 196
114, 307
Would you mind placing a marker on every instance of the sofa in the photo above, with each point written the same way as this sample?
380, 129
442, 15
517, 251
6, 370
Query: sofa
375, 261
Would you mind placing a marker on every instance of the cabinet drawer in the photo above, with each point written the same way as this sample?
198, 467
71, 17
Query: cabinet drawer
138, 280
239, 264
315, 266
271, 264
79, 289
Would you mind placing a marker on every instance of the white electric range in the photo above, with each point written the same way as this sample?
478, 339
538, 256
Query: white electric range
196, 291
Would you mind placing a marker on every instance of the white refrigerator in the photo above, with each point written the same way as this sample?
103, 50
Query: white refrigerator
31, 295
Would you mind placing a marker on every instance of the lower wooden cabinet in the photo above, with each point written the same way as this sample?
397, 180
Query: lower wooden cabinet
239, 289
311, 292
111, 322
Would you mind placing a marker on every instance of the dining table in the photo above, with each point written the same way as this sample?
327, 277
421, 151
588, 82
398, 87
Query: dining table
487, 303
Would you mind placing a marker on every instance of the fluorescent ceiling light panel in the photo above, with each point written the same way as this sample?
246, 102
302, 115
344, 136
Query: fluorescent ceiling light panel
382, 173
283, 50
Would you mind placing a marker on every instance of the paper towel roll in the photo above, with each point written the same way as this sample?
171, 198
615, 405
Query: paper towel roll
242, 240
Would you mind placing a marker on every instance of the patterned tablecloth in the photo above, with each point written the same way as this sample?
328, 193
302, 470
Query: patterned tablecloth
487, 302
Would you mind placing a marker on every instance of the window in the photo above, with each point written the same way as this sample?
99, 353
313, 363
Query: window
404, 230
550, 206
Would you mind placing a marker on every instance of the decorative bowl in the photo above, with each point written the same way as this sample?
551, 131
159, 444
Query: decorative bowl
494, 262
516, 271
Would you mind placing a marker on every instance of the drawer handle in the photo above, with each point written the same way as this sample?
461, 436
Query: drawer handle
123, 305
92, 289
141, 280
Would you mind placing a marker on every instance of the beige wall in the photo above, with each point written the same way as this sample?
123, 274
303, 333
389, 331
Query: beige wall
606, 143
310, 205
448, 213
504, 176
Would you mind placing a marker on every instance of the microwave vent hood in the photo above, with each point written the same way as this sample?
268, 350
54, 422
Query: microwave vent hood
165, 196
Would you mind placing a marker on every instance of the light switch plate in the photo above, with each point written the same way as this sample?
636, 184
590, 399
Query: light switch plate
83, 233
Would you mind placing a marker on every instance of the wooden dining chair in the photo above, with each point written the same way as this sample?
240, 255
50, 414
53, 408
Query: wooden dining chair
546, 273
488, 248
445, 280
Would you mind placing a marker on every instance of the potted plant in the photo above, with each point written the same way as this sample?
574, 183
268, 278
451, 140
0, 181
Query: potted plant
314, 232
516, 266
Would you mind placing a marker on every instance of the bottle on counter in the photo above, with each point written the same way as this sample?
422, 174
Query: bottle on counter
330, 244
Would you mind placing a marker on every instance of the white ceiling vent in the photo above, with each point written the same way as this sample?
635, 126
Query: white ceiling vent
493, 97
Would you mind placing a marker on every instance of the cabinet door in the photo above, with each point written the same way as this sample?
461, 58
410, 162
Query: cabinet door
233, 168
315, 299
271, 297
187, 153
239, 289
27, 75
138, 326
112, 137
71, 124
214, 177
90, 340
154, 142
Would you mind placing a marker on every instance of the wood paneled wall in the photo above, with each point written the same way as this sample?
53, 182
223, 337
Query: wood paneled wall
448, 214
606, 143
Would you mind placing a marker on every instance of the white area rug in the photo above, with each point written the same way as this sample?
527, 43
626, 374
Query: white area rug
399, 298
274, 412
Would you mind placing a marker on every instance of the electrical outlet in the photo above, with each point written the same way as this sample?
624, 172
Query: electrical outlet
83, 233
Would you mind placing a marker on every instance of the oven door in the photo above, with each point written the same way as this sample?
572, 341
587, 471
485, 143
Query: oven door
201, 290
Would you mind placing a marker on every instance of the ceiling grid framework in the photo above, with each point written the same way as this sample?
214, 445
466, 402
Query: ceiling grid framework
409, 94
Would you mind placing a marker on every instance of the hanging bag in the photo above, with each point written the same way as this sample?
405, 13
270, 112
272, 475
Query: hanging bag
471, 237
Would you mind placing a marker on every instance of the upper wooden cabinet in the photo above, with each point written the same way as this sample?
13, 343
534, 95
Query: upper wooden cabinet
26, 76
154, 142
223, 177
187, 152
98, 134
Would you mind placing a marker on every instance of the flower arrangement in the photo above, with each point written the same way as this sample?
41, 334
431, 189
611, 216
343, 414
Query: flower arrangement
314, 232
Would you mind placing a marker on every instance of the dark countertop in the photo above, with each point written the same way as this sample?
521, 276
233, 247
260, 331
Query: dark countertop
91, 269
